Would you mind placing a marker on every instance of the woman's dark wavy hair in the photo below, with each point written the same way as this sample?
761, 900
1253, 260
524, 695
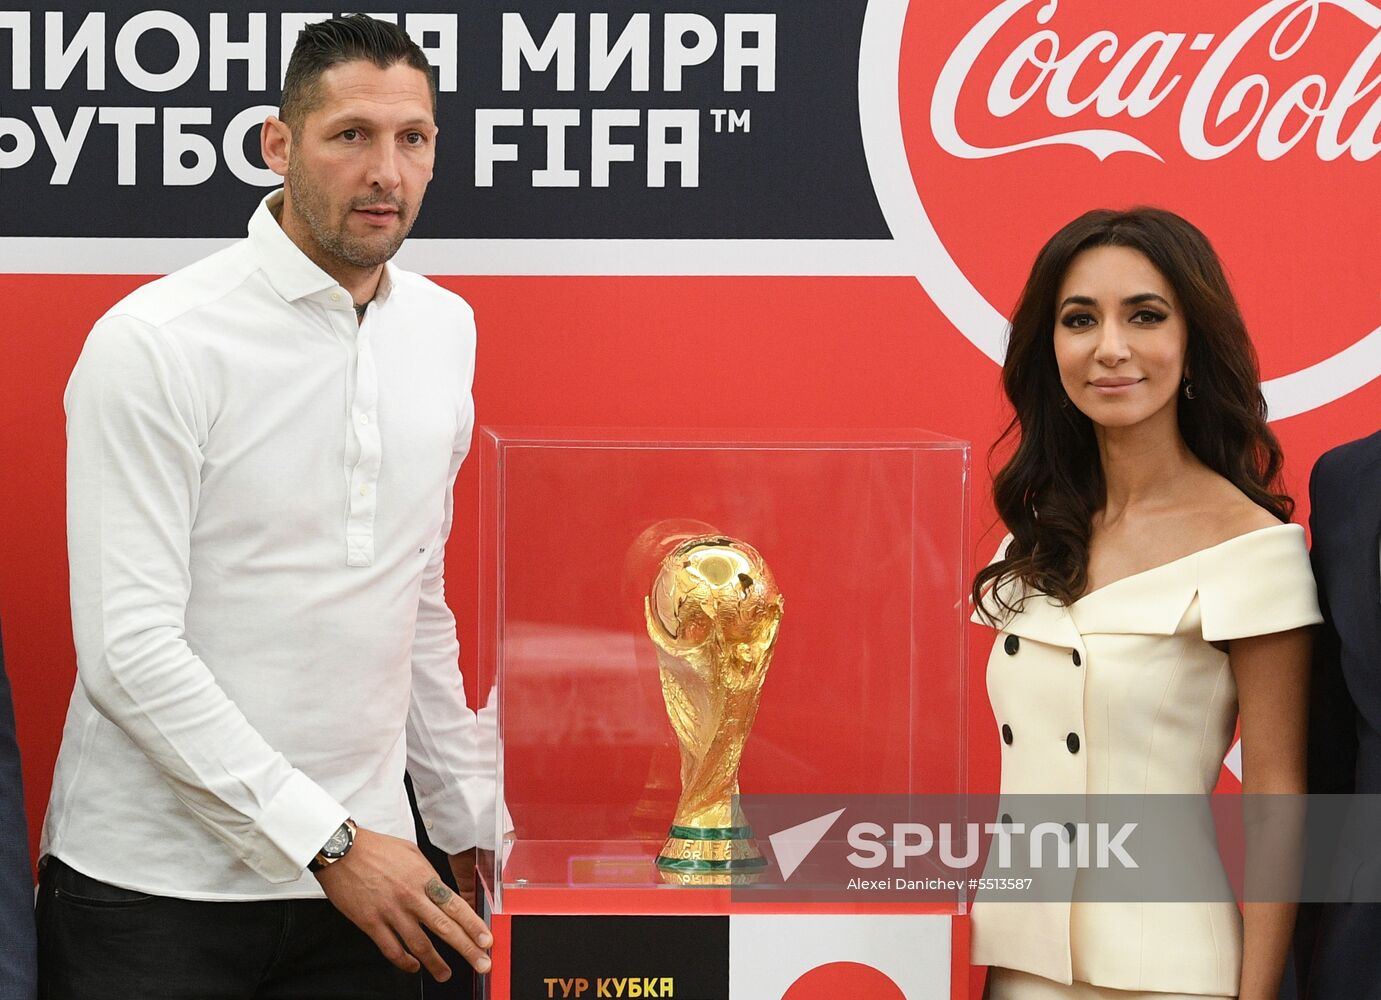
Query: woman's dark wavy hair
1049, 490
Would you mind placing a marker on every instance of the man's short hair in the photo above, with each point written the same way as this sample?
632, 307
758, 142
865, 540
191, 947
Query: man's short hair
325, 44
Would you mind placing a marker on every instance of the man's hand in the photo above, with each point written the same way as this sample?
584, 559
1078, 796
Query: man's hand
387, 889
463, 867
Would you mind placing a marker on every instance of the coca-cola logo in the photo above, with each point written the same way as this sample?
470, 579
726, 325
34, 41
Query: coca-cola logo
1261, 123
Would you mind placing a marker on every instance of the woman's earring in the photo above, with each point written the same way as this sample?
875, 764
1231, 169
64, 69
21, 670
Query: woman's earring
1188, 386
1064, 402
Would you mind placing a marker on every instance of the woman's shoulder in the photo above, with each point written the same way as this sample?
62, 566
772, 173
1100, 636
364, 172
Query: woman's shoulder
1256, 579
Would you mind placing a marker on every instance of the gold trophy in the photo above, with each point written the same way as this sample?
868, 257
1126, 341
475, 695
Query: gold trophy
713, 612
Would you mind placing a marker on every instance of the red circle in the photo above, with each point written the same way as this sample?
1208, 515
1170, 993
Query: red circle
844, 979
1291, 230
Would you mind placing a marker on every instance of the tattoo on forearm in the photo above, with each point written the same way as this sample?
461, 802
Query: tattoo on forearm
437, 892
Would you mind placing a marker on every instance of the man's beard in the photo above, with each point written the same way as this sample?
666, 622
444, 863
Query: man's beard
310, 203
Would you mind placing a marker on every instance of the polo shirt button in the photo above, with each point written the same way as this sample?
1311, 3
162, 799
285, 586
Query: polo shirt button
335, 296
1072, 741
1078, 660
1006, 734
1012, 645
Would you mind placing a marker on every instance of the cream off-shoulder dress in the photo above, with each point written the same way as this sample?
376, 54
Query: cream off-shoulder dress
1125, 692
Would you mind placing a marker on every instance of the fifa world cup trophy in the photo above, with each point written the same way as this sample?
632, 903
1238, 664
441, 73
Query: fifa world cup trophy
713, 613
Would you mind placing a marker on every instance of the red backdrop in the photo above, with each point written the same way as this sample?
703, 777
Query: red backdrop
846, 352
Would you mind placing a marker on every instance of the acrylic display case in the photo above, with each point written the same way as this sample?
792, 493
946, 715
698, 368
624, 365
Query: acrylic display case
865, 533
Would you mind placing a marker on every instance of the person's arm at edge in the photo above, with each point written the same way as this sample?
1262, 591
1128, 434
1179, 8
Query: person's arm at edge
18, 947
1332, 740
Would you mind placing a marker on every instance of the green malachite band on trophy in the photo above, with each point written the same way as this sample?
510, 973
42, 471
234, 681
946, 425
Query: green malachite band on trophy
712, 832
734, 865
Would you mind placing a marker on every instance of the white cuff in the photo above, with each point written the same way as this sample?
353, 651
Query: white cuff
458, 822
292, 828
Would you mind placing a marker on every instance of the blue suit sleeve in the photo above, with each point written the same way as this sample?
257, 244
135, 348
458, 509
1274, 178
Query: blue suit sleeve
18, 951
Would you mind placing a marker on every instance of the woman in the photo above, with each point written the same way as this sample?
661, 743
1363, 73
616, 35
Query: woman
1149, 589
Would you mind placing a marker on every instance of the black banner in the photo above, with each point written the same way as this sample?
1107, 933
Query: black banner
622, 119
588, 957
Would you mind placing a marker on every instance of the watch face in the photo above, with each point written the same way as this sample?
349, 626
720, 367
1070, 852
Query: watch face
338, 844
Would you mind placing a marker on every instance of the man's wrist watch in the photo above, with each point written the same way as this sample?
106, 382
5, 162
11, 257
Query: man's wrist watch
336, 848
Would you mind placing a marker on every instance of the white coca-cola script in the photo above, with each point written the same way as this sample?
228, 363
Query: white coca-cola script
1142, 76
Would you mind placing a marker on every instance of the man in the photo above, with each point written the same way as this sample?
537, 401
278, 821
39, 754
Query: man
17, 964
1338, 945
261, 455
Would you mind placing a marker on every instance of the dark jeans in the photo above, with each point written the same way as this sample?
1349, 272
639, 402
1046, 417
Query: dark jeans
99, 942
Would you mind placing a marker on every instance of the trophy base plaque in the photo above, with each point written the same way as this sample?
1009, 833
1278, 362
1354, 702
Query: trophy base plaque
725, 855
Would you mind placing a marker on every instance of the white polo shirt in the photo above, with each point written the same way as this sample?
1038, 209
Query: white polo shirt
258, 501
